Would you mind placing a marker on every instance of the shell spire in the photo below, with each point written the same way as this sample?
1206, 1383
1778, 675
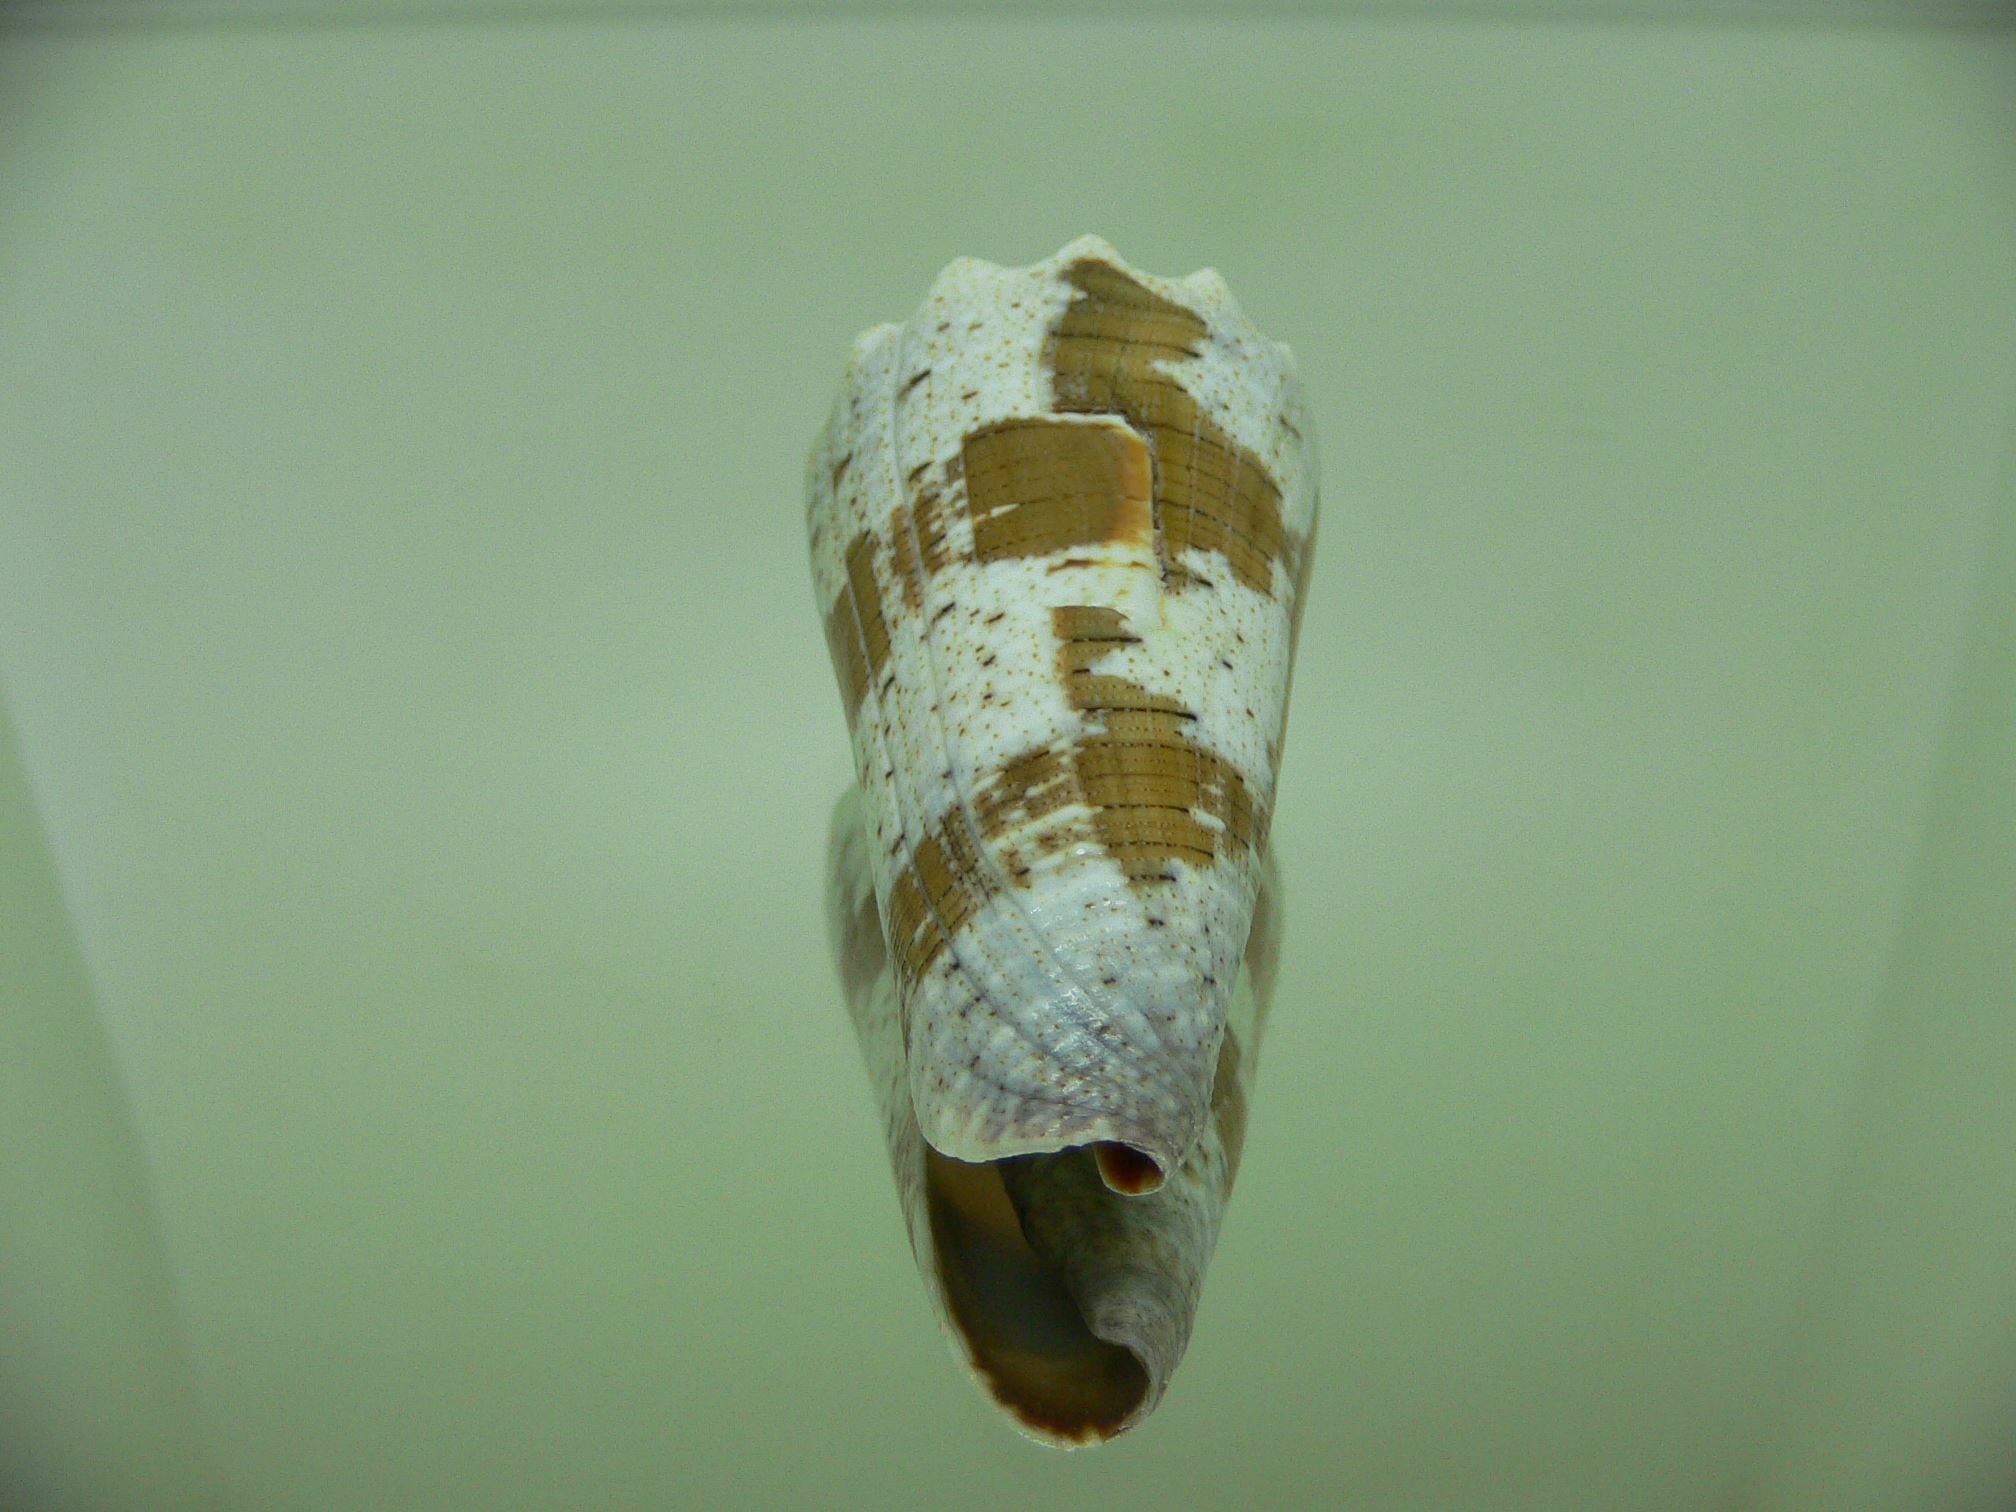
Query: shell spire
1061, 522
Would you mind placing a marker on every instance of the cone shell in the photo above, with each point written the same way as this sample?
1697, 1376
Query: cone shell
1060, 525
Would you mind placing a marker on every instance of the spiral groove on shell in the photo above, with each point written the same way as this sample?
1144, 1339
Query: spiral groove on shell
1060, 525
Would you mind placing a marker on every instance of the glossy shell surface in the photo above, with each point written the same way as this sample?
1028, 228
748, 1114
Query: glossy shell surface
1060, 524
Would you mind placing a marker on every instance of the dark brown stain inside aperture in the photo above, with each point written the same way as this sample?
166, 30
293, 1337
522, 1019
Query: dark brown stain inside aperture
1125, 1169
1210, 492
1014, 1306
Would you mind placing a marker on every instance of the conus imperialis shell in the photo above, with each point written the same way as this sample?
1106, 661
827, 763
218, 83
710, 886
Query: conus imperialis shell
1061, 523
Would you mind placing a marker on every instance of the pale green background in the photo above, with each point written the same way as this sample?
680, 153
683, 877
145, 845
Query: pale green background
422, 1084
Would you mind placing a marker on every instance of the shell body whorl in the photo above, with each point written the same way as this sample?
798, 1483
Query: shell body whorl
1060, 523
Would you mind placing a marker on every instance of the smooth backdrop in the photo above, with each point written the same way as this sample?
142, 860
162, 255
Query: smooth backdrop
424, 743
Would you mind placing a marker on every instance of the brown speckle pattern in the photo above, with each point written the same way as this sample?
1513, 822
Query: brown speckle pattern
1108, 354
1060, 525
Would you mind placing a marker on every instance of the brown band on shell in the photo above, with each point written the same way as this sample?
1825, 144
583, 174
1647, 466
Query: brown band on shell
903, 558
1030, 788
933, 897
934, 546
1210, 492
843, 643
857, 637
1038, 486
1090, 625
1149, 790
947, 879
868, 602
1155, 796
1146, 781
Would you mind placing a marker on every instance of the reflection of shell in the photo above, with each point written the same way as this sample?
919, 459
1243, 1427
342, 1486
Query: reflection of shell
1060, 525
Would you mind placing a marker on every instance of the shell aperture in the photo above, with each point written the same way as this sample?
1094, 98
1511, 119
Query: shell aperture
1060, 524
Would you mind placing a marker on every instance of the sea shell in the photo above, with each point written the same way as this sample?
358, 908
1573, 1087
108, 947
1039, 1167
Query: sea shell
1061, 523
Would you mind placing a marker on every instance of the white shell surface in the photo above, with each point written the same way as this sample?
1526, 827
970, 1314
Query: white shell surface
1073, 1305
1060, 521
1069, 460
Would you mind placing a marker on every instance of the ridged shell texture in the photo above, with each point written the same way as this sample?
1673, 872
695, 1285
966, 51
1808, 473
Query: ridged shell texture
1060, 526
